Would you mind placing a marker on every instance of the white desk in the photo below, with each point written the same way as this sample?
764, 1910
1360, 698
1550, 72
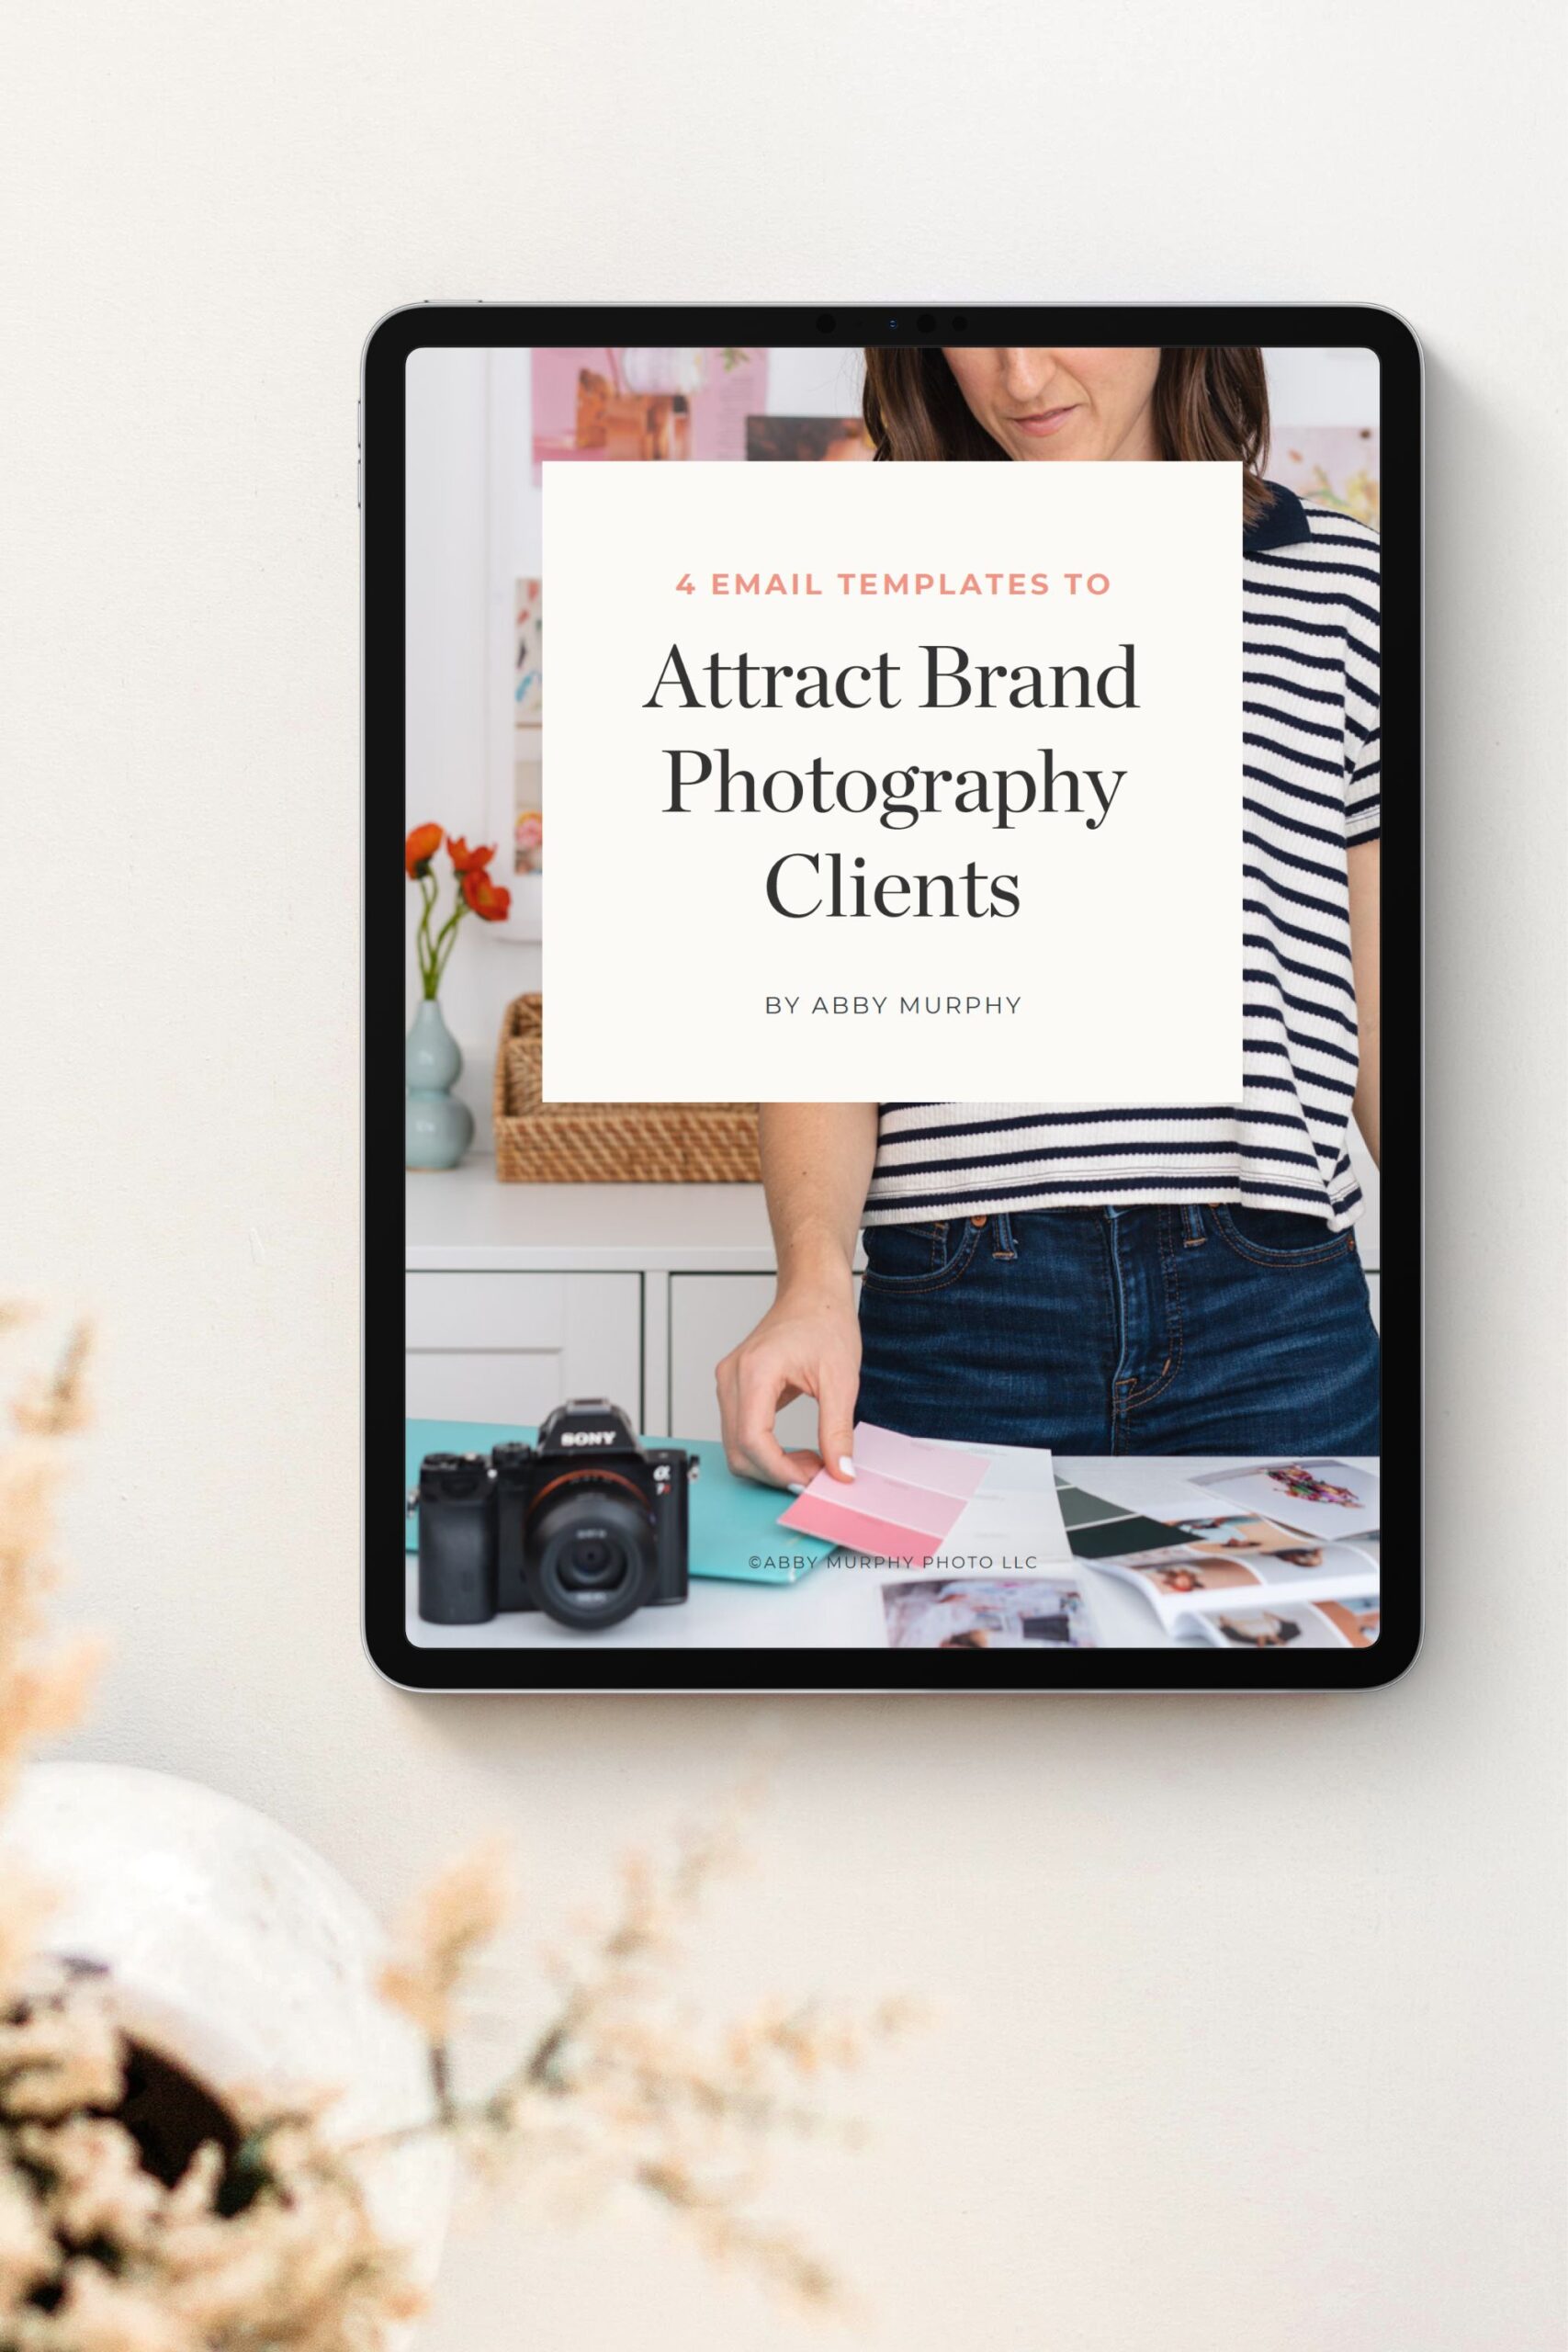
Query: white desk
842, 1608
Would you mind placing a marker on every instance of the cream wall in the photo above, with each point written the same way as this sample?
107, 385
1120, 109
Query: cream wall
1252, 2029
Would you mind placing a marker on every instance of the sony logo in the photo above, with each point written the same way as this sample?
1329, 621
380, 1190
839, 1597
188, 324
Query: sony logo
587, 1437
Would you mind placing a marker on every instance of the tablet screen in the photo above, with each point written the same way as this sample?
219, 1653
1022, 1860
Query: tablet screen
893, 1097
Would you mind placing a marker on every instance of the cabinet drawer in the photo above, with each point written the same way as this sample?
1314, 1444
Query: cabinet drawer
708, 1313
508, 1347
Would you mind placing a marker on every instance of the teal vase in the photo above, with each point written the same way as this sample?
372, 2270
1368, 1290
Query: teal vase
437, 1130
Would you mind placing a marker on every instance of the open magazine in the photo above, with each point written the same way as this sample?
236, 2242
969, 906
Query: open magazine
1244, 1583
1351, 1623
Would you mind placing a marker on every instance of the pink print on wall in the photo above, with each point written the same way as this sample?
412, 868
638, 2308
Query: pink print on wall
644, 402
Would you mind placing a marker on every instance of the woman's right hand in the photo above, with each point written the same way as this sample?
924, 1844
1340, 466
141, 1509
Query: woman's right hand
807, 1344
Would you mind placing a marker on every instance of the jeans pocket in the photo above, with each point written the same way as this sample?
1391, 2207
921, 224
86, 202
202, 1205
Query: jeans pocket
906, 1260
1281, 1237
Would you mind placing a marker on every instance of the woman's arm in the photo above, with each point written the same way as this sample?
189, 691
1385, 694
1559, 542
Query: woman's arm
817, 1163
1366, 894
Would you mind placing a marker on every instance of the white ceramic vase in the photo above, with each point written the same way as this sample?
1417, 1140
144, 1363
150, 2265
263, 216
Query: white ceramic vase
234, 1950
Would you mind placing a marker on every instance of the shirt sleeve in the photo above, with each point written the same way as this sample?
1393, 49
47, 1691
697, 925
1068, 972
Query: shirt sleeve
1363, 739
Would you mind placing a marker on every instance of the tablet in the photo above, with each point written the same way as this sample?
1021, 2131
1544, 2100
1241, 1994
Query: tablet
909, 1076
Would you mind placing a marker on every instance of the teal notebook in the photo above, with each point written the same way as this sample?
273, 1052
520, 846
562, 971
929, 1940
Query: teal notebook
735, 1531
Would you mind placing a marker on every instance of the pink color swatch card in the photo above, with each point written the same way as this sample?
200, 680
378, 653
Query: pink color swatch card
918, 1461
904, 1499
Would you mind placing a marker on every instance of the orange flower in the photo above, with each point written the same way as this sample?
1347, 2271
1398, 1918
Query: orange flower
419, 849
466, 860
489, 903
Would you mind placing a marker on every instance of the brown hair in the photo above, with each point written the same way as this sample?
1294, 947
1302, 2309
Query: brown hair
1210, 401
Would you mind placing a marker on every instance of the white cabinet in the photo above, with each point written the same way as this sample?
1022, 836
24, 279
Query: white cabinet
506, 1347
519, 1296
708, 1313
1369, 1228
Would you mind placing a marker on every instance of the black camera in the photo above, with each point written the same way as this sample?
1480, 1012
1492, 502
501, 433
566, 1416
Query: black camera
587, 1524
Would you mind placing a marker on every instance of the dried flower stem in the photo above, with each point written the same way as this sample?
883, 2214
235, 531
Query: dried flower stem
274, 2247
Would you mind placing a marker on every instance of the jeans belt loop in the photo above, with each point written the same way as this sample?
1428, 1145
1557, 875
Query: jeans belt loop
1193, 1223
1002, 1243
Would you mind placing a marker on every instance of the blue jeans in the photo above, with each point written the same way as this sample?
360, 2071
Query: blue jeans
1135, 1330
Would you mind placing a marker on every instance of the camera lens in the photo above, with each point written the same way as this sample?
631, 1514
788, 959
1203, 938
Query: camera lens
591, 1561
590, 1553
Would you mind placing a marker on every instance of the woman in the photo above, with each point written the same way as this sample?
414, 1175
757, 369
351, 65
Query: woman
1164, 1279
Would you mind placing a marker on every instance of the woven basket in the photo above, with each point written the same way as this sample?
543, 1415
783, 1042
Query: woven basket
608, 1143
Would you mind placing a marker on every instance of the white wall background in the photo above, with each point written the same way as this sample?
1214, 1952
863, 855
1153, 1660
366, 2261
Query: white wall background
1254, 2010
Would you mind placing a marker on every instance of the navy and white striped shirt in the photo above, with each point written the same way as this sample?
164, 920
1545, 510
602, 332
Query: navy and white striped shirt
1310, 771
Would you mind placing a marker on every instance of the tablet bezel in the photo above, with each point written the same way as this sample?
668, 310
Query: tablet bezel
588, 1668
